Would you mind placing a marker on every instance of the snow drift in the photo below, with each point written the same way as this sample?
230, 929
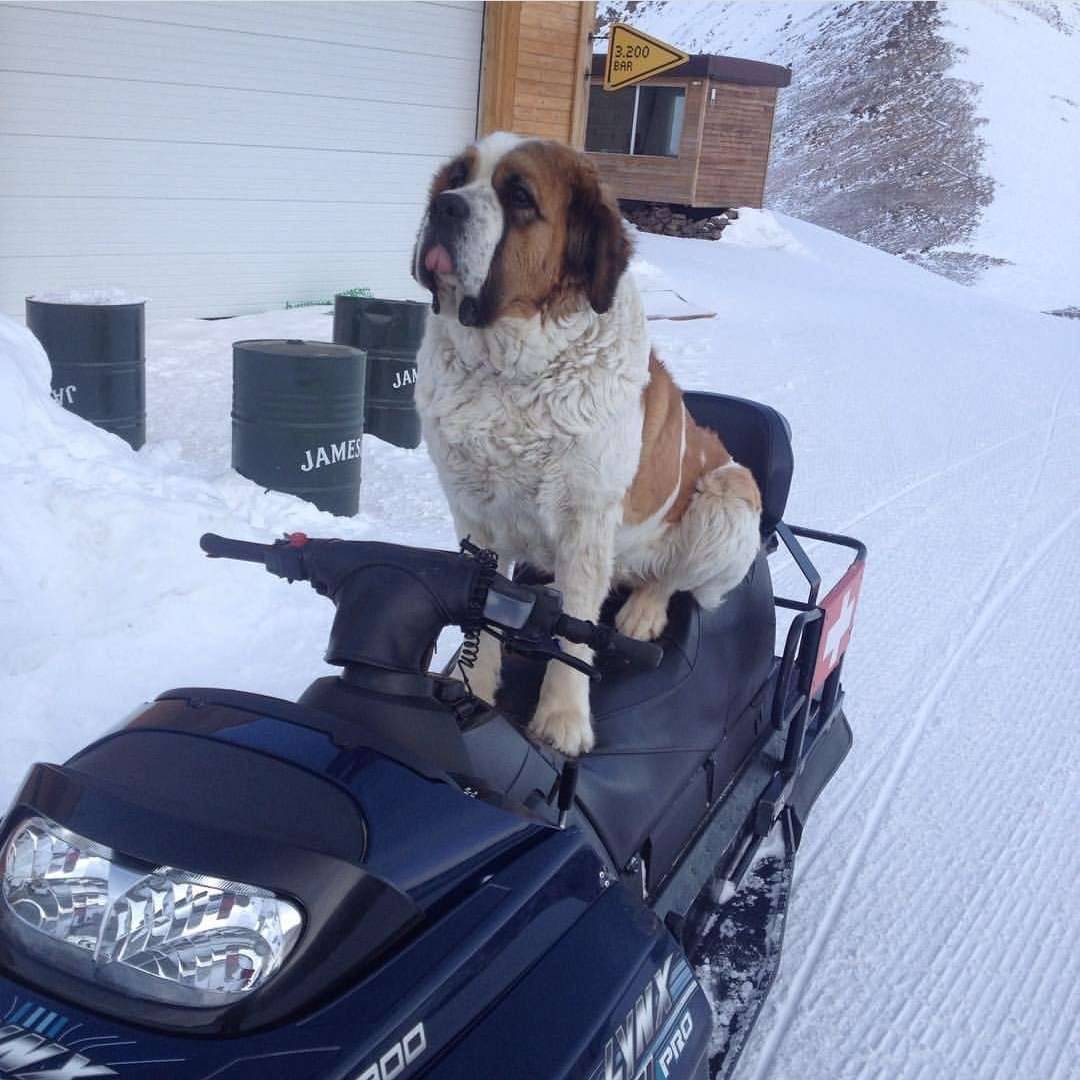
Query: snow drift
104, 593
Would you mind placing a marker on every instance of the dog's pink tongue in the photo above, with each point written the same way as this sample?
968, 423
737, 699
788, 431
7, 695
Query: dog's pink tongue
437, 260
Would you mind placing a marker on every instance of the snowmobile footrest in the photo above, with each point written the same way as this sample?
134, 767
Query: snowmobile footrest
825, 751
721, 837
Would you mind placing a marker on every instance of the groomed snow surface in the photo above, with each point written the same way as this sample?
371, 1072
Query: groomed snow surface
935, 928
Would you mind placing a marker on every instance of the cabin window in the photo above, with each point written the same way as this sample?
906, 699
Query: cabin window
645, 120
611, 120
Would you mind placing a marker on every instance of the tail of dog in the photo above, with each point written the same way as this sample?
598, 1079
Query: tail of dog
720, 532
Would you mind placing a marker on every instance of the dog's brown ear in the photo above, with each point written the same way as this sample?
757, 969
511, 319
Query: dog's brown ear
597, 247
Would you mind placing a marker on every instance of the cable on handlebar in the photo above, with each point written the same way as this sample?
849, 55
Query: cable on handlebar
472, 625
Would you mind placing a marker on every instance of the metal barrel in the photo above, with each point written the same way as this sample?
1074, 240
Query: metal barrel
389, 331
98, 358
298, 418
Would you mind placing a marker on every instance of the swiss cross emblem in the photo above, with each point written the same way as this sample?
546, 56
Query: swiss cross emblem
839, 608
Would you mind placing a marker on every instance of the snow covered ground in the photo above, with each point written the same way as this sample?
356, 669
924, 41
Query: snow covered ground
935, 928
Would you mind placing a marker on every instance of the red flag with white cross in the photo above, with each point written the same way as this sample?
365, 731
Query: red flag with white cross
839, 607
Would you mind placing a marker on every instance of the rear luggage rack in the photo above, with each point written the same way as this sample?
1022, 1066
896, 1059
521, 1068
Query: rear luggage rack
808, 692
786, 774
808, 667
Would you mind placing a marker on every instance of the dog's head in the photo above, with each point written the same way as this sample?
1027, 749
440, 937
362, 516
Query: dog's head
519, 226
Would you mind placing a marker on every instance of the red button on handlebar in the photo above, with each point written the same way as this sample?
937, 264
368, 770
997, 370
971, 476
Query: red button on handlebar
296, 539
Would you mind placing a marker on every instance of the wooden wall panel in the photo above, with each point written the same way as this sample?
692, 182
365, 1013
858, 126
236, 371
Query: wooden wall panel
544, 97
499, 67
735, 145
536, 56
582, 75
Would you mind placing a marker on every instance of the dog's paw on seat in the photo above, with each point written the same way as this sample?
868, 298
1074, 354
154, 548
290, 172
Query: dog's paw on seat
644, 614
565, 728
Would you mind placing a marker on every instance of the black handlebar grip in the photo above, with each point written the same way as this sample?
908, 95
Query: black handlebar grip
641, 654
223, 547
645, 655
579, 631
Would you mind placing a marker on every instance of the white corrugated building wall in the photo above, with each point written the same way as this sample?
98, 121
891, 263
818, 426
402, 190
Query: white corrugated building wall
223, 158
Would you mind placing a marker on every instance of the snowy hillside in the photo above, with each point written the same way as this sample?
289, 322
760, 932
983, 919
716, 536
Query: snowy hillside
948, 133
935, 927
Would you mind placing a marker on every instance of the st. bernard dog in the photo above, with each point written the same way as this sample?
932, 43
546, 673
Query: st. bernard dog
559, 437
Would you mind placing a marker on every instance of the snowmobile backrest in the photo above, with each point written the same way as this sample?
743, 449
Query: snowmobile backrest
758, 437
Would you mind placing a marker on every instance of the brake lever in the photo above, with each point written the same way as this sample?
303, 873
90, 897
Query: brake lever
549, 650
576, 663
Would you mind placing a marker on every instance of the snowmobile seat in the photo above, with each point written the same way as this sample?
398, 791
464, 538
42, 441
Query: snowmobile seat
758, 437
669, 741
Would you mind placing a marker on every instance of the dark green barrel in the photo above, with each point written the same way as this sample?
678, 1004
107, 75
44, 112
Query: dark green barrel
298, 417
389, 331
98, 358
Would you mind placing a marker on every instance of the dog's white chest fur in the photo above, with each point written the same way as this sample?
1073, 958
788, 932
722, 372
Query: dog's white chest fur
529, 421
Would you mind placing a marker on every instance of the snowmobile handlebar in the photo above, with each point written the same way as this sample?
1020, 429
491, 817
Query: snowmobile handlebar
604, 639
222, 547
393, 601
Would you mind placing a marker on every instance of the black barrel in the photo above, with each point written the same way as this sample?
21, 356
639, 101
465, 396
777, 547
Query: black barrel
298, 417
389, 331
98, 358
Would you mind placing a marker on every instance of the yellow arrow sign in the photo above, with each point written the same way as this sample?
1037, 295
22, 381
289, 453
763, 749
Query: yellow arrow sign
633, 56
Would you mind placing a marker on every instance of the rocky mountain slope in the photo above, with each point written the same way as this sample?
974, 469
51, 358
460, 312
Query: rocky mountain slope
947, 133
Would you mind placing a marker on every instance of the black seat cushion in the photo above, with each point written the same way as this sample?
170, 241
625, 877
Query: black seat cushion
758, 437
654, 729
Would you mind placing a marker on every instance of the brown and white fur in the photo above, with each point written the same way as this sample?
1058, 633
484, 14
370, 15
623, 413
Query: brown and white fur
559, 437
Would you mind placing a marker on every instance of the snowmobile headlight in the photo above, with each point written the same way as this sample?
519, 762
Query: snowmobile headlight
153, 931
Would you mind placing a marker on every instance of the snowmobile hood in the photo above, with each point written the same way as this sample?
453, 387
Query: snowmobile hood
250, 789
296, 774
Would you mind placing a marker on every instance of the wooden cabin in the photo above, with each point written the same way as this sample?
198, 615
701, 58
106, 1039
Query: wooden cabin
697, 136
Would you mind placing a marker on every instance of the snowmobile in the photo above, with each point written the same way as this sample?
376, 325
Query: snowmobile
388, 879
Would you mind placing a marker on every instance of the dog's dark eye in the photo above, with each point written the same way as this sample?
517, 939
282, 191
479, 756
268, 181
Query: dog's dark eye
520, 198
458, 175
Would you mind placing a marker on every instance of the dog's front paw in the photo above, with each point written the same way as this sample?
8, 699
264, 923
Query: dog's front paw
644, 615
566, 728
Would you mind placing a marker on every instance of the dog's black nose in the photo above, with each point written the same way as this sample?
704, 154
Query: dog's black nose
450, 208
